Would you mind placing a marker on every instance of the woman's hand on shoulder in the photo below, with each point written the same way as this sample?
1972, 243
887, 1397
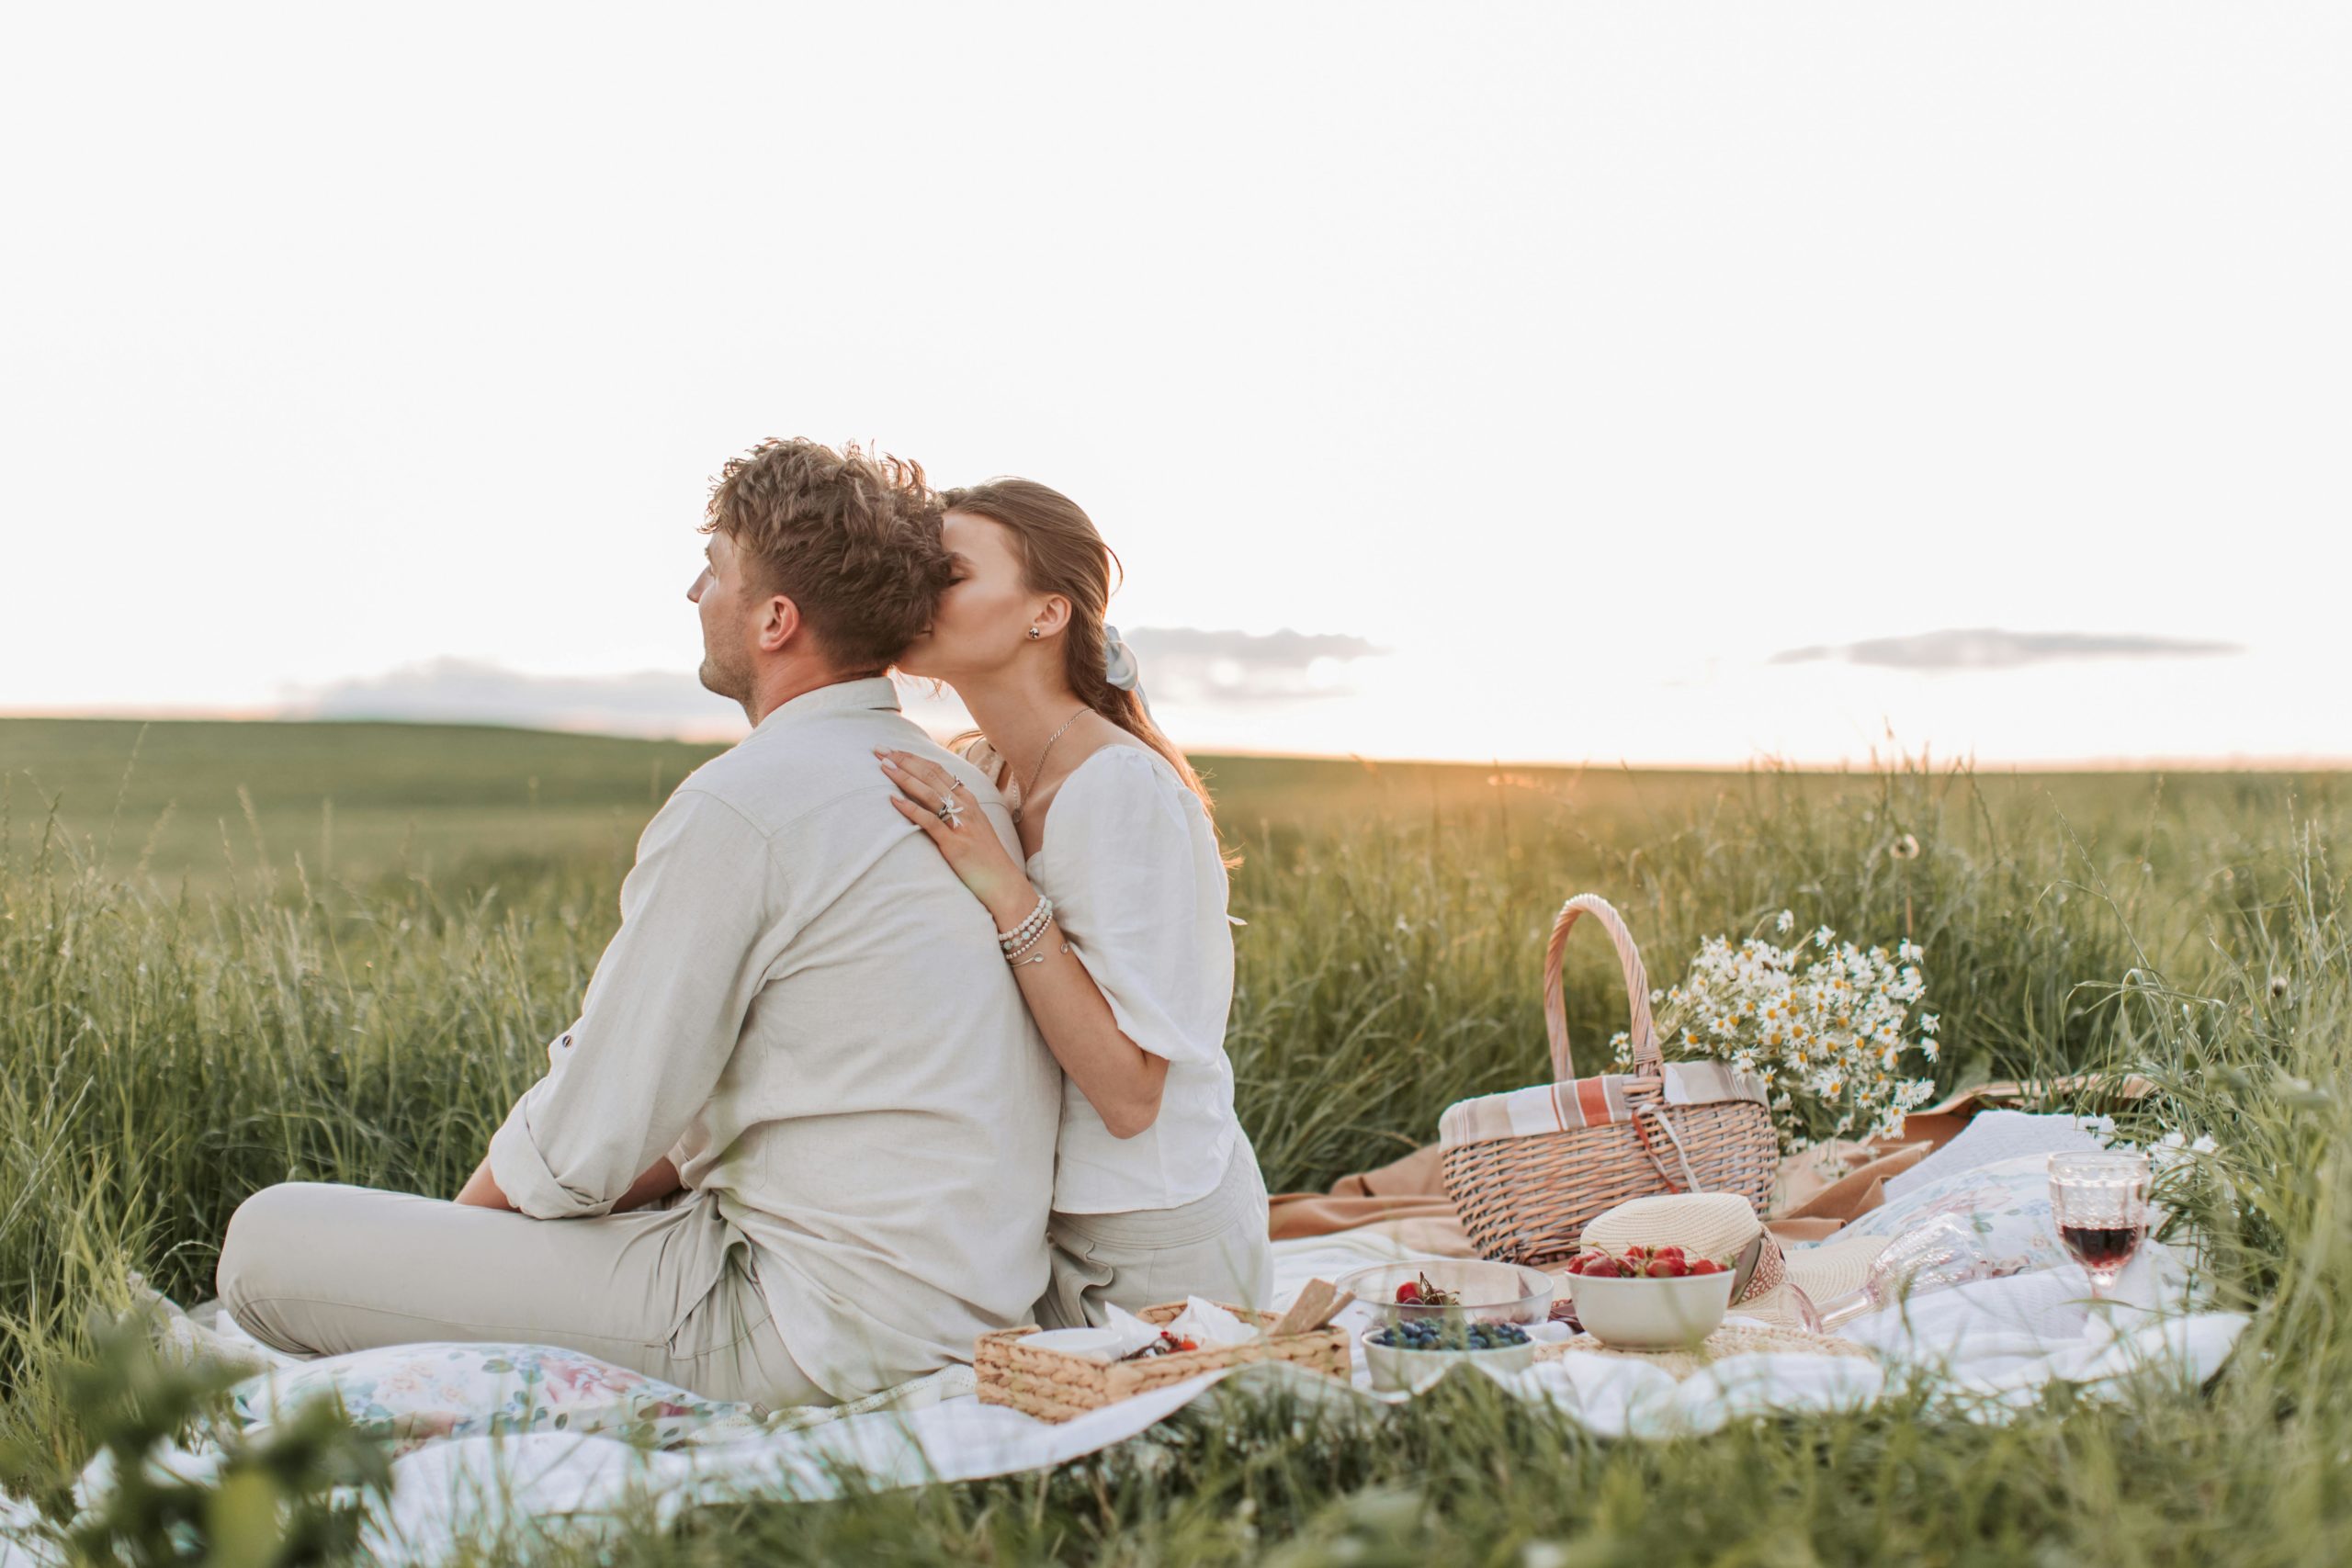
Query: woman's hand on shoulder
963, 833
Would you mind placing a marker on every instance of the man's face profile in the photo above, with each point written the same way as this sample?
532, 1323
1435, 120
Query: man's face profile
719, 598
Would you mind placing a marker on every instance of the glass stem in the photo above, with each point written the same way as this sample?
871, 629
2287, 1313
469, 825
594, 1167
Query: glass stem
1845, 1308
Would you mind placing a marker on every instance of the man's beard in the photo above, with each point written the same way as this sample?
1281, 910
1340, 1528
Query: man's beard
722, 681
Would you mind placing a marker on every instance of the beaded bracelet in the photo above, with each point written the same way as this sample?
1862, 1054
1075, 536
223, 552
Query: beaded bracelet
1024, 933
1013, 956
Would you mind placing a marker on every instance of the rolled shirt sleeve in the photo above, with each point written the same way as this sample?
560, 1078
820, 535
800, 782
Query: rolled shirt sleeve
1141, 894
660, 1021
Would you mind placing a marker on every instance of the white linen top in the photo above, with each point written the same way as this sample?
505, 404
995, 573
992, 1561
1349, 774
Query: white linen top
807, 1012
1131, 862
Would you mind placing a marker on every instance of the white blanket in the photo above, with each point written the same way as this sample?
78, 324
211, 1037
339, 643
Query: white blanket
1983, 1350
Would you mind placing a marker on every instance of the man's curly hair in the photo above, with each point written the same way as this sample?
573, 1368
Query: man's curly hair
850, 539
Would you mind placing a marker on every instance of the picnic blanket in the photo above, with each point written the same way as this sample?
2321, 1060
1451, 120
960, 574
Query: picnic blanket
1981, 1351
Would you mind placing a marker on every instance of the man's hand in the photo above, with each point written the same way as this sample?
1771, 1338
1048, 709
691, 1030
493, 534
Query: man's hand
658, 1182
482, 1192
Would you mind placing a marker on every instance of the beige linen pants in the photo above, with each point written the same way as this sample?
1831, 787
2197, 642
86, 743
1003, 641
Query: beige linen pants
1214, 1247
321, 1267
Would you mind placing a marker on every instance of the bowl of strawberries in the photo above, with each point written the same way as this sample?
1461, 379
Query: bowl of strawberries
1648, 1298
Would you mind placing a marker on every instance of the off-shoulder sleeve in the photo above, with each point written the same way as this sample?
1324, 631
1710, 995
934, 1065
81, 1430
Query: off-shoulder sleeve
1140, 890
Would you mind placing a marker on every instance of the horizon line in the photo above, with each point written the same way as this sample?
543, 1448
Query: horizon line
2158, 763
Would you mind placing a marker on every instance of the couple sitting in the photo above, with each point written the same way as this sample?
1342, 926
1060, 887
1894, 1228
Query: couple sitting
880, 1059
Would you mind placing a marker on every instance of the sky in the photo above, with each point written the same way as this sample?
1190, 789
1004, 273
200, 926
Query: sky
1662, 385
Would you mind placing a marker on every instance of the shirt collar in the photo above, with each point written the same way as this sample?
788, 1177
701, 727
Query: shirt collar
865, 692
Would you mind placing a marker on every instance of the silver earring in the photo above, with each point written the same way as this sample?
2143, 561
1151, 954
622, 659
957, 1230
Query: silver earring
1033, 633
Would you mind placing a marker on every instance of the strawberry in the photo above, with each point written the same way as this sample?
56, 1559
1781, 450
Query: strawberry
1706, 1265
1187, 1345
1666, 1268
1410, 1291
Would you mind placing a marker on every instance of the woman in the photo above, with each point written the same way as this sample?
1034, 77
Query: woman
1115, 923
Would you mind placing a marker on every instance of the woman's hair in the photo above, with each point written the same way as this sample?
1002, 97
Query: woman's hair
1060, 552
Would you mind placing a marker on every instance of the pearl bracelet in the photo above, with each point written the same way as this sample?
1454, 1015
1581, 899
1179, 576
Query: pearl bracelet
1027, 931
1014, 958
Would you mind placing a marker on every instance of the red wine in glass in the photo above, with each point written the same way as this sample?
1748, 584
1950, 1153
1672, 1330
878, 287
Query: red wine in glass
2100, 1202
2103, 1249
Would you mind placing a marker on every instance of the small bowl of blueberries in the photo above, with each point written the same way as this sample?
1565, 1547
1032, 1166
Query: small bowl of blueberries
1433, 1314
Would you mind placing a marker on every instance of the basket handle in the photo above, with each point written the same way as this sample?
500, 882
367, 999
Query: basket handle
1646, 1060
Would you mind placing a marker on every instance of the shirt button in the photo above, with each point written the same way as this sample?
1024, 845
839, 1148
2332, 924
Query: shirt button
566, 1039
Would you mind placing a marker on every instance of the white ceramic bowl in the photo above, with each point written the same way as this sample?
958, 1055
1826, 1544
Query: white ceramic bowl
1650, 1314
1397, 1371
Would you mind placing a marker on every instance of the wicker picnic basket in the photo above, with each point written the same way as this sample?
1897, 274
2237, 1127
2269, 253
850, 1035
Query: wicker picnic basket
1526, 1194
1053, 1385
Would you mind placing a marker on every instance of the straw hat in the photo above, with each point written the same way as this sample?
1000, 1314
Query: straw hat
1721, 1225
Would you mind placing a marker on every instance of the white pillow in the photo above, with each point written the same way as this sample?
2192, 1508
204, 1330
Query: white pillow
1994, 1135
2007, 1204
411, 1394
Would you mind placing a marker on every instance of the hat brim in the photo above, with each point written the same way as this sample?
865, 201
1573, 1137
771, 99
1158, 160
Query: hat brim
1832, 1268
1824, 1271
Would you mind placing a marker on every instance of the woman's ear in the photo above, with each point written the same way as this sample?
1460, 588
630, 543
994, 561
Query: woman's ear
1052, 616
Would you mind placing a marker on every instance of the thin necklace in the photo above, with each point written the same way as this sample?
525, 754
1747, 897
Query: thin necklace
1023, 800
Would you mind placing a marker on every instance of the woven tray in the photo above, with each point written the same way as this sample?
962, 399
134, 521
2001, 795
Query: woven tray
1053, 1385
1733, 1339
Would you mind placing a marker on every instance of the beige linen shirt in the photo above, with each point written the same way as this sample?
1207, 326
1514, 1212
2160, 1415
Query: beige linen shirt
807, 1012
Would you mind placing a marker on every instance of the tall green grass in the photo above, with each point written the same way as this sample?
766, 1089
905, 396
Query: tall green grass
167, 1052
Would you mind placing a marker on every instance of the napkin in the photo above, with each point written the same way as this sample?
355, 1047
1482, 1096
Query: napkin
1206, 1324
1133, 1332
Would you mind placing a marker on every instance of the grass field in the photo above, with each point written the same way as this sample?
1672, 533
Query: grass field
290, 950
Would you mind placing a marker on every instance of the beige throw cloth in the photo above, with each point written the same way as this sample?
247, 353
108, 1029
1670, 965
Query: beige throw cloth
1405, 1199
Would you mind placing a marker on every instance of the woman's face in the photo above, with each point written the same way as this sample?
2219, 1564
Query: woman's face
983, 620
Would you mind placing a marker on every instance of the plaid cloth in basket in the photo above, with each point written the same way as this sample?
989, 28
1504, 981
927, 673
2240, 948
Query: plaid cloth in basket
1588, 1102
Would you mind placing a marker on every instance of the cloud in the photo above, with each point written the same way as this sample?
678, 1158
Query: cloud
1193, 664
465, 692
1985, 648
1183, 664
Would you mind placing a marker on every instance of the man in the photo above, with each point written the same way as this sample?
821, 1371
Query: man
799, 1146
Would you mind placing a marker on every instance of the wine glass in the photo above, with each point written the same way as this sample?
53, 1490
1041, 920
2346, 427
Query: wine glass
1933, 1255
2101, 1202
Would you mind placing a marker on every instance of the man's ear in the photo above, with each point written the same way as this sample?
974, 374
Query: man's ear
779, 625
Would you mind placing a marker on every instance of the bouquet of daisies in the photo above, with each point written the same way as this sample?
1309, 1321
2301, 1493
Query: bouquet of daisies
1835, 1031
